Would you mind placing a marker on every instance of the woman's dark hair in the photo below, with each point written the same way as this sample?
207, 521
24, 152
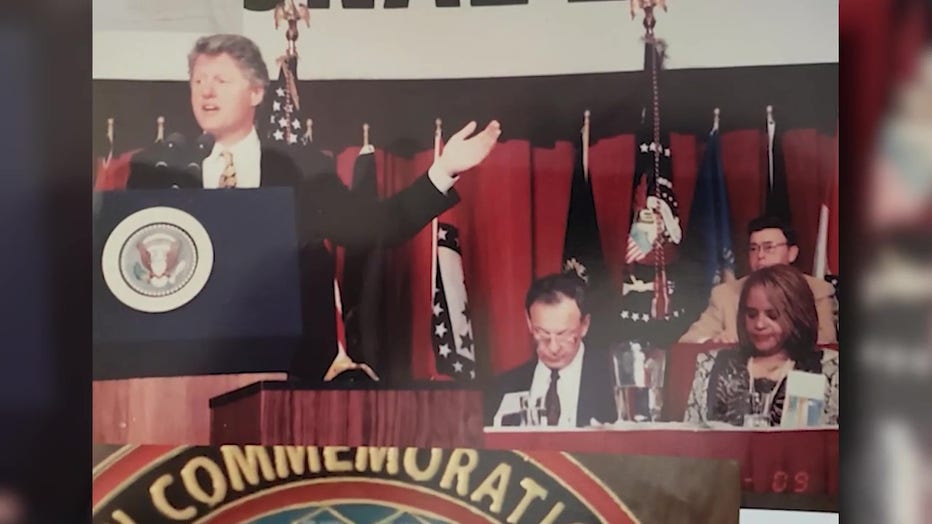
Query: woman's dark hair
790, 294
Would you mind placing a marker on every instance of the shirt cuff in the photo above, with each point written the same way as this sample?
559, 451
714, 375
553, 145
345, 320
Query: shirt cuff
442, 180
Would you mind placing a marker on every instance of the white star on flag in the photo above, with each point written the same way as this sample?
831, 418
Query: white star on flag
289, 108
282, 122
676, 314
441, 330
441, 234
643, 148
295, 124
653, 146
279, 135
458, 366
272, 119
276, 106
444, 350
292, 139
624, 314
437, 310
636, 317
666, 152
280, 92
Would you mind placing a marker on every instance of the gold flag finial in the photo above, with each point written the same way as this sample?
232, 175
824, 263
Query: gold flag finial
648, 7
289, 11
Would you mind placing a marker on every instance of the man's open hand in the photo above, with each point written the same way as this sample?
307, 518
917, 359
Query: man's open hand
462, 154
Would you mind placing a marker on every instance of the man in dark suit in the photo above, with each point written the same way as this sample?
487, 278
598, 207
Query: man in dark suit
228, 80
572, 381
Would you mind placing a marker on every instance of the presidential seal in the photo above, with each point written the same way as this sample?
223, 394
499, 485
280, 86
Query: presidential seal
157, 259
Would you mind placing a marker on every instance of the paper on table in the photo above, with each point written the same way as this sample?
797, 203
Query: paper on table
511, 405
805, 399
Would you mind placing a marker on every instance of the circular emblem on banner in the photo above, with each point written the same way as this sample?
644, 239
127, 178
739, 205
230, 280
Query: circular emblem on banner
157, 259
308, 484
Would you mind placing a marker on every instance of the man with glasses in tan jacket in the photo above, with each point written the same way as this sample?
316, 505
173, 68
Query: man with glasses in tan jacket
772, 242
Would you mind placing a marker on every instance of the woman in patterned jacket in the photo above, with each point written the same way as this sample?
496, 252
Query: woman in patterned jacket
777, 331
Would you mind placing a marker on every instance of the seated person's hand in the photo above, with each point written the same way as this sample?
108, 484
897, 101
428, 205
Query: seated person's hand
725, 338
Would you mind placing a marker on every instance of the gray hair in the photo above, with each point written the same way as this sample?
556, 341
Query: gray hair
243, 50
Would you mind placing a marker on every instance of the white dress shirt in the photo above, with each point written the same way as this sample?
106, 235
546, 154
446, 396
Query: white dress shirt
247, 160
567, 387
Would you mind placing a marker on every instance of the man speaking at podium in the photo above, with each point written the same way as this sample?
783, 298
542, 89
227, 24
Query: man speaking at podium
228, 81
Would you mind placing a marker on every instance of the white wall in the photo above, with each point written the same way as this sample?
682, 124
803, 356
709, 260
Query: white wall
762, 516
134, 39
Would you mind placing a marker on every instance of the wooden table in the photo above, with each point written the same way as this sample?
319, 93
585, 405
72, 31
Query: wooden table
796, 468
441, 414
161, 410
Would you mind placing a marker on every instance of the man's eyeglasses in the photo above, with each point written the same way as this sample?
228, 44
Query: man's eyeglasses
559, 338
766, 248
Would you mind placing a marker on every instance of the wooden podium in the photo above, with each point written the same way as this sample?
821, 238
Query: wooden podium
278, 412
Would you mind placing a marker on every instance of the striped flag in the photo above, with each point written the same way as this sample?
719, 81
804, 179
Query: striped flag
284, 130
451, 326
451, 332
283, 127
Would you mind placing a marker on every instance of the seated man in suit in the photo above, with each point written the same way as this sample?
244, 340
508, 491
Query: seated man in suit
572, 381
772, 242
228, 82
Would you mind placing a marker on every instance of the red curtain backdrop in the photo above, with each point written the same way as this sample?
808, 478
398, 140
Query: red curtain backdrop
810, 166
512, 220
833, 205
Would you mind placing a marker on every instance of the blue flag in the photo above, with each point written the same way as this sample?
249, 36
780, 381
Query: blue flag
709, 225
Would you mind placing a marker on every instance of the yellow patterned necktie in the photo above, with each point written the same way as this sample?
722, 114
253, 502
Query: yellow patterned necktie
228, 178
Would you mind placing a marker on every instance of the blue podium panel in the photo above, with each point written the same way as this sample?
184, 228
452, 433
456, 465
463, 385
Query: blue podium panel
195, 281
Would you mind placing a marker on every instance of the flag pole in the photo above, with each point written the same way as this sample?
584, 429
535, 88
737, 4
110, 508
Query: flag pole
434, 227
660, 304
715, 119
160, 129
110, 138
585, 144
771, 133
365, 135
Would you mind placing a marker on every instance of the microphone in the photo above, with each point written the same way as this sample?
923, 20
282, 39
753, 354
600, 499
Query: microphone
189, 173
203, 146
158, 166
172, 161
174, 144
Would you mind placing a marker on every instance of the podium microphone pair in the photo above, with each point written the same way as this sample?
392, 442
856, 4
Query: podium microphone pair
172, 163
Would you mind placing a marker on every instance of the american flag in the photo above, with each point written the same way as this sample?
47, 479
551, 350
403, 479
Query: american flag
451, 326
284, 125
284, 129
